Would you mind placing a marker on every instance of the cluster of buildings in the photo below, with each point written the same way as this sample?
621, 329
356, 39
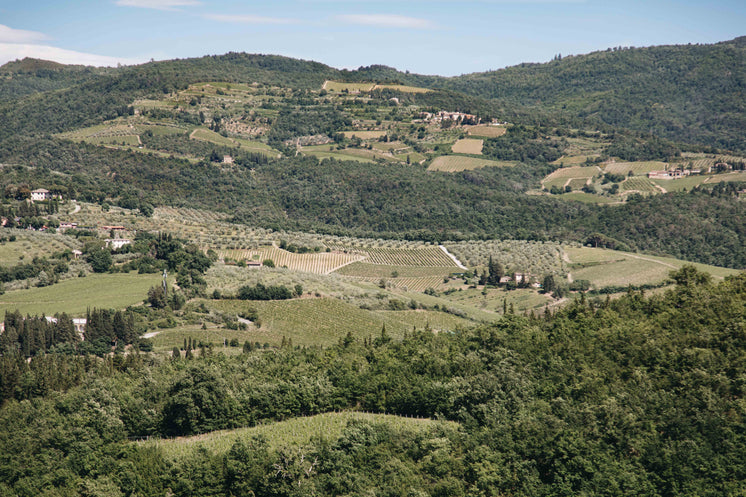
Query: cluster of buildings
452, 116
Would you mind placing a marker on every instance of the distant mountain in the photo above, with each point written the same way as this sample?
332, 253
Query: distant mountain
687, 93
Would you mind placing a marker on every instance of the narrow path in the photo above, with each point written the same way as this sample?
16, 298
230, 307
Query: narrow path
453, 257
151, 334
77, 208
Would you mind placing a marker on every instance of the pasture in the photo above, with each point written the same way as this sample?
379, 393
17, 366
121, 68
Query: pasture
486, 130
456, 163
295, 432
75, 295
468, 146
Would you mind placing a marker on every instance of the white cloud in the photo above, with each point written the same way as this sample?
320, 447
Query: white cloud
13, 51
249, 19
10, 35
157, 4
386, 21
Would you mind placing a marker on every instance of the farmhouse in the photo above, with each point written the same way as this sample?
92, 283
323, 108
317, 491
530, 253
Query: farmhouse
78, 324
40, 194
117, 243
675, 174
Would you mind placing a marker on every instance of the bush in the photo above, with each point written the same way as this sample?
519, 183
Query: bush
262, 292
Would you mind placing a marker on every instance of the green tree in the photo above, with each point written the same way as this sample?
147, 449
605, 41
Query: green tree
100, 260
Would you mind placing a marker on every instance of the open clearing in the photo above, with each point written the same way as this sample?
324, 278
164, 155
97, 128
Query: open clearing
468, 146
456, 163
74, 296
294, 432
486, 131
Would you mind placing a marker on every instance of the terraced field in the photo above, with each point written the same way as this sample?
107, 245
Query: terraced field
456, 163
315, 262
339, 86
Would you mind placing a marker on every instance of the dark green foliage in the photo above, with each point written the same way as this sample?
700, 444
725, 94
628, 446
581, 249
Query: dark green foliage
263, 292
100, 260
538, 402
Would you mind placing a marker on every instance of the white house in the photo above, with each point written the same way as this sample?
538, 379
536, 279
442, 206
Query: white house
117, 243
41, 194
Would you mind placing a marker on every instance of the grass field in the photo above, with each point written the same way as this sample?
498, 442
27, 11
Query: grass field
295, 432
402, 88
486, 131
210, 136
455, 163
637, 168
315, 321
604, 267
365, 135
323, 152
339, 87
522, 299
468, 146
573, 160
74, 296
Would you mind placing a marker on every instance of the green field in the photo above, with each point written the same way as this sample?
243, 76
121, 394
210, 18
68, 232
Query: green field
638, 184
314, 321
367, 270
522, 299
292, 432
210, 136
604, 267
324, 152
563, 176
30, 244
637, 168
468, 146
74, 296
455, 163
486, 131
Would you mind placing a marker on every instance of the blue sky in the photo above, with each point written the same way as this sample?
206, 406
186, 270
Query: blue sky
423, 36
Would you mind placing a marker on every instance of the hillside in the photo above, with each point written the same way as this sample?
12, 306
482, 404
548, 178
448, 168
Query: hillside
687, 93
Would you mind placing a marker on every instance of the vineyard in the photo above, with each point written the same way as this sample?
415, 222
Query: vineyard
364, 134
316, 262
637, 168
639, 184
429, 257
456, 163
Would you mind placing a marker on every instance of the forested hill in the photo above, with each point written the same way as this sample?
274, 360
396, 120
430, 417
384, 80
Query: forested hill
108, 94
688, 93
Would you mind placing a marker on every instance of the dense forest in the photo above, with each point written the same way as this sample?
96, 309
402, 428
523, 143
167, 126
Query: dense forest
642, 395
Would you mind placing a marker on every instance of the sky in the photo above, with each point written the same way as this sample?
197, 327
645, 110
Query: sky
441, 37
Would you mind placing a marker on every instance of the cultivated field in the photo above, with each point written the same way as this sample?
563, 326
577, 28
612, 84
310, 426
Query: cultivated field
402, 88
639, 184
428, 256
468, 146
74, 296
31, 244
538, 258
315, 262
573, 160
563, 176
367, 270
486, 131
295, 432
339, 87
455, 163
637, 168
207, 135
609, 267
314, 321
522, 299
